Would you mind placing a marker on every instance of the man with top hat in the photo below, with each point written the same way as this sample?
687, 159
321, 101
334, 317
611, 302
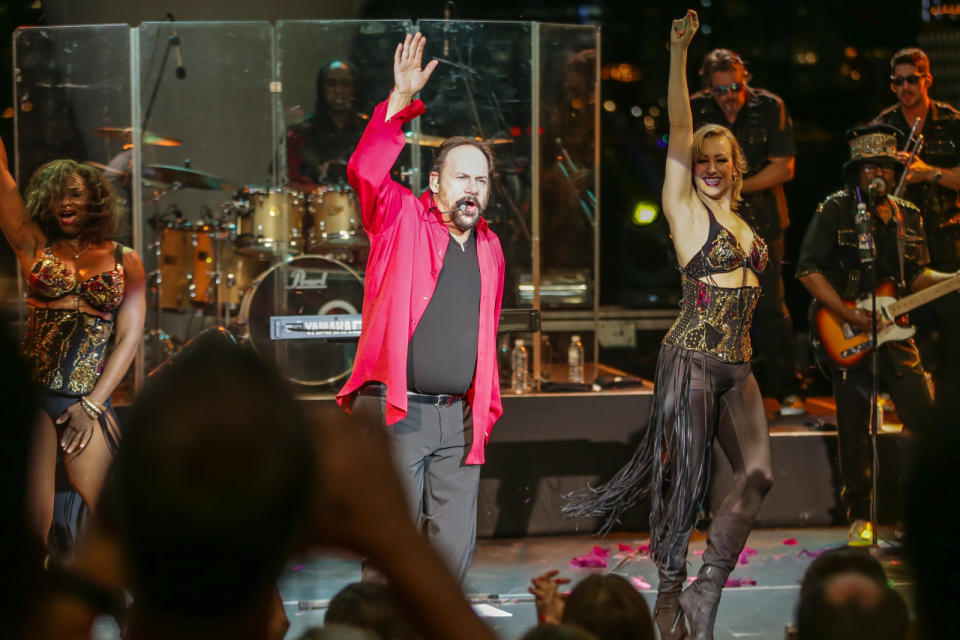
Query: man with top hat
761, 124
933, 184
834, 265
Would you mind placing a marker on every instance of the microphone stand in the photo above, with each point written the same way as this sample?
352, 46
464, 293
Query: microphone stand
867, 248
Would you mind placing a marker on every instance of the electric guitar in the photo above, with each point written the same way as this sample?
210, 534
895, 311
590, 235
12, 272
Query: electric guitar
845, 345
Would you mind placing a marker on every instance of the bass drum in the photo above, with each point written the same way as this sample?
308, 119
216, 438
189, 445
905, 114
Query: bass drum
307, 285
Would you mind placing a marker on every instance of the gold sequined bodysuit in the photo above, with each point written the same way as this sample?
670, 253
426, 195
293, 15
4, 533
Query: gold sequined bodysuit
716, 320
66, 348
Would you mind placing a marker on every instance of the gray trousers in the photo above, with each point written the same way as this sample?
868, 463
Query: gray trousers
430, 446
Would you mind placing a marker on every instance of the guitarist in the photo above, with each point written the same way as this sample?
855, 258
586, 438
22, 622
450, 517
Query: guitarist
830, 267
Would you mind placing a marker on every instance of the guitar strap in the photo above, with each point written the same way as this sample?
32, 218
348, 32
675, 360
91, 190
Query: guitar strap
901, 242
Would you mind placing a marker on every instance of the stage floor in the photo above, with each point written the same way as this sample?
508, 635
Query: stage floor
505, 566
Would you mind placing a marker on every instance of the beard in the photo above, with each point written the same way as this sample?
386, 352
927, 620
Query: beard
463, 219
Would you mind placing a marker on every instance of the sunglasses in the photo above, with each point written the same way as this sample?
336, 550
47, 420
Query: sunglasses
724, 88
913, 78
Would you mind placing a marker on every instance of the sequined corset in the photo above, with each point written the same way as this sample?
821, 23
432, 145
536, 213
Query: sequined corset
715, 320
721, 253
66, 349
50, 279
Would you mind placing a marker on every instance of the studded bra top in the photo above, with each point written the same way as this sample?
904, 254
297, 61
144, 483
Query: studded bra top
50, 279
716, 320
66, 348
721, 253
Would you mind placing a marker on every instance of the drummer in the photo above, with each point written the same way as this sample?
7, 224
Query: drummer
318, 146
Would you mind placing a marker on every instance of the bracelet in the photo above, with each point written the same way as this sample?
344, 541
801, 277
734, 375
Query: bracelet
90, 407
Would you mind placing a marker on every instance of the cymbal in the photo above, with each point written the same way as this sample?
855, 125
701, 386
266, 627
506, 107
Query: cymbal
187, 177
428, 140
424, 140
106, 168
123, 134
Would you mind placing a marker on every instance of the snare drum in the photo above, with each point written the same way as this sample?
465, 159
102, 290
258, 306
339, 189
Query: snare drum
269, 221
334, 218
305, 286
188, 266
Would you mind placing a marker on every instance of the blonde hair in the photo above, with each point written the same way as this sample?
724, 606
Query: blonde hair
701, 135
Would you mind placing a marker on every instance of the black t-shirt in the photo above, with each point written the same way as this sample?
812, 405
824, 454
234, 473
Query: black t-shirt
764, 130
442, 355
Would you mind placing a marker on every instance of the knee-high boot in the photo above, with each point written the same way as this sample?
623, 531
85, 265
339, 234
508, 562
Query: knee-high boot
699, 603
672, 571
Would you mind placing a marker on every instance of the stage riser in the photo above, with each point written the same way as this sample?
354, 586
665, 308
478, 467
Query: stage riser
546, 446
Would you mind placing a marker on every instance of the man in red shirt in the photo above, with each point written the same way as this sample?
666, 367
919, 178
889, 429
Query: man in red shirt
426, 359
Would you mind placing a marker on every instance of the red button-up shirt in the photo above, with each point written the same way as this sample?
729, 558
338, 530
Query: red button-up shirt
408, 241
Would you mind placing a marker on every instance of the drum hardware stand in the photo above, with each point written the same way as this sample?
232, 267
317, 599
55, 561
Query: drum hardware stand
159, 342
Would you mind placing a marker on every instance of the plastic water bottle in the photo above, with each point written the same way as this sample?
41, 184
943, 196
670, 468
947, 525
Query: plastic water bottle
575, 359
518, 361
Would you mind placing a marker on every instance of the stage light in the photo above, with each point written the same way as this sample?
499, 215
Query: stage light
609, 105
645, 213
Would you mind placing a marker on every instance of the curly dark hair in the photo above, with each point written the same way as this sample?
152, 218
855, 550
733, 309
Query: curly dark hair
47, 187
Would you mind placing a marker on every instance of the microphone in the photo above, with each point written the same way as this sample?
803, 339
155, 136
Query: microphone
175, 43
460, 207
876, 189
865, 245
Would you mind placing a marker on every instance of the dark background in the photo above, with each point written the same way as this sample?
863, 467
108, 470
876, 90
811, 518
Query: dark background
828, 60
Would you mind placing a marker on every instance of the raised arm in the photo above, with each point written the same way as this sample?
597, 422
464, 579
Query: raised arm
369, 167
23, 234
677, 186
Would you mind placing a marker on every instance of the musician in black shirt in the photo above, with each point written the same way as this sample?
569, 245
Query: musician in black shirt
933, 184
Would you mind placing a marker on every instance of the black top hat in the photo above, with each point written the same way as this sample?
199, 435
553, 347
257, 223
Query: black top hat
873, 142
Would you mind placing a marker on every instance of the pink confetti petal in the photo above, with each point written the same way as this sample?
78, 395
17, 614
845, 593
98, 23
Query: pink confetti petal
639, 583
790, 542
699, 552
745, 555
740, 582
298, 567
597, 558
778, 556
624, 547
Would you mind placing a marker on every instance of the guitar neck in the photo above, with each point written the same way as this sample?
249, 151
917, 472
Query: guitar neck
914, 300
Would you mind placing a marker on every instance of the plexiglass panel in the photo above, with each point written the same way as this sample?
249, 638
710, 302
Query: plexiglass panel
72, 93
73, 99
568, 180
483, 88
211, 215
333, 74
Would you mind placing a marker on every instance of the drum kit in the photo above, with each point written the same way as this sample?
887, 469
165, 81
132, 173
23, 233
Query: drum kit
271, 251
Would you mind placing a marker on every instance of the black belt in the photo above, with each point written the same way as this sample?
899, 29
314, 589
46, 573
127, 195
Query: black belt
440, 400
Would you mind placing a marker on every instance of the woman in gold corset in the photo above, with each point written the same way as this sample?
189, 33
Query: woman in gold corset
704, 386
83, 289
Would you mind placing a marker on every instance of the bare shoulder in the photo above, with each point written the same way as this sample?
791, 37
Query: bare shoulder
131, 259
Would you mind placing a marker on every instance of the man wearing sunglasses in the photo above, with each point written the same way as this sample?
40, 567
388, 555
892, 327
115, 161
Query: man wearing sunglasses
933, 182
761, 124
